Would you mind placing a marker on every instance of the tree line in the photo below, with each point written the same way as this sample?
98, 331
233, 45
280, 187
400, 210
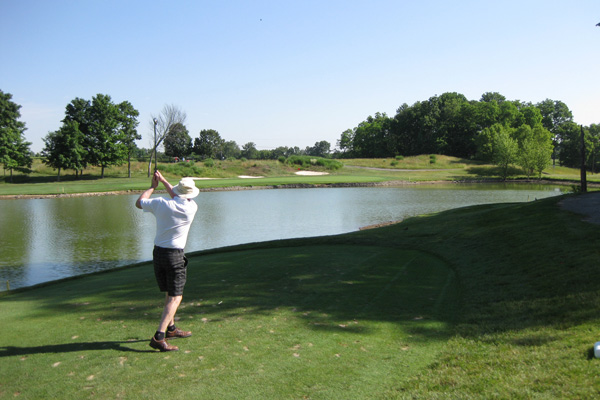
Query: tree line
209, 144
99, 132
492, 129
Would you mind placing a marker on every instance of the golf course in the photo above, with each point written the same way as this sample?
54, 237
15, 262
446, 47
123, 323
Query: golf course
300, 200
492, 301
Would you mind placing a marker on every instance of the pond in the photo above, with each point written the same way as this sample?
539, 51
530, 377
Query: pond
49, 239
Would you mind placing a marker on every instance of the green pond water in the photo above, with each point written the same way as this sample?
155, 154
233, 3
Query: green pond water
48, 239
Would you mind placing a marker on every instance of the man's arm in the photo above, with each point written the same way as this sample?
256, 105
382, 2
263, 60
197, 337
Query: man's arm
167, 185
148, 192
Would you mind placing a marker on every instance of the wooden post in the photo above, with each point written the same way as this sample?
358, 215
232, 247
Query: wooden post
583, 174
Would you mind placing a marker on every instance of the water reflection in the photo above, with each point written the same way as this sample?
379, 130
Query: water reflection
48, 239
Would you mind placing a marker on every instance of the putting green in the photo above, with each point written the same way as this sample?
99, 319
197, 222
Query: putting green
318, 321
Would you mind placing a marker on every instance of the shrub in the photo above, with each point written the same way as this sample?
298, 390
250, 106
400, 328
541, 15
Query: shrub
209, 163
399, 158
308, 161
183, 169
576, 189
432, 159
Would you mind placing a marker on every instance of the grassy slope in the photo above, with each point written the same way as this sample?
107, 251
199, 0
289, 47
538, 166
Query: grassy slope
371, 314
225, 174
530, 301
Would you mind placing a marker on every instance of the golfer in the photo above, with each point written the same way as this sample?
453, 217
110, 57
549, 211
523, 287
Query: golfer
173, 219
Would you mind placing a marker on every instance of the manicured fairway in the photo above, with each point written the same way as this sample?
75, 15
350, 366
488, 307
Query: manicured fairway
314, 321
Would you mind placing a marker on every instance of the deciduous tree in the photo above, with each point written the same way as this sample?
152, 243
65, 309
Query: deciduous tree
129, 122
209, 144
368, 139
64, 148
505, 150
14, 149
231, 149
107, 130
104, 137
178, 142
569, 147
535, 149
249, 151
320, 149
168, 117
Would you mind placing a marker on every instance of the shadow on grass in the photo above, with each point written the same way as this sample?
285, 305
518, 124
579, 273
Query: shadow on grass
22, 179
464, 161
71, 347
488, 172
329, 287
332, 288
590, 354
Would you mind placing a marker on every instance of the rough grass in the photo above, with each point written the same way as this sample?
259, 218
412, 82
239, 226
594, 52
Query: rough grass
414, 162
528, 278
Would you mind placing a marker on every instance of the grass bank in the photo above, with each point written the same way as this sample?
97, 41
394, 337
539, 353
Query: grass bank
494, 301
228, 173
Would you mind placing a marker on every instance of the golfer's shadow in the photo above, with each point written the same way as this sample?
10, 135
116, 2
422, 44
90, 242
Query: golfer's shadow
71, 347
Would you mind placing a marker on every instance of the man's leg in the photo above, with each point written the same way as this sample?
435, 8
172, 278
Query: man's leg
168, 316
168, 321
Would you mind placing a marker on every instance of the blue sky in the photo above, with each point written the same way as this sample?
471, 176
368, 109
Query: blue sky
291, 72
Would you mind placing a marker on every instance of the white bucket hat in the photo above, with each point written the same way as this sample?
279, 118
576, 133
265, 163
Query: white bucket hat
186, 188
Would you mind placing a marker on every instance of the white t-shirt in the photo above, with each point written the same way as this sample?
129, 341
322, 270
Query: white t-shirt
173, 220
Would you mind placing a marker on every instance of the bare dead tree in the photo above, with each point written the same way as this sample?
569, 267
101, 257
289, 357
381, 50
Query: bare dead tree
169, 116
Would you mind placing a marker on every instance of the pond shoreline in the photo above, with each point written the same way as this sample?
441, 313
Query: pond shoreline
301, 186
87, 232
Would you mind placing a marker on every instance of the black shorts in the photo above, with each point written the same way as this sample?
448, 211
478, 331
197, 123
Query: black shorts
170, 269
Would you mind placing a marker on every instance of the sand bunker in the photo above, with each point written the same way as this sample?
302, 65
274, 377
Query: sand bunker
257, 177
311, 173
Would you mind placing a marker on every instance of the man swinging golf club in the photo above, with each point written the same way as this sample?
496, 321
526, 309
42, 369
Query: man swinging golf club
173, 219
